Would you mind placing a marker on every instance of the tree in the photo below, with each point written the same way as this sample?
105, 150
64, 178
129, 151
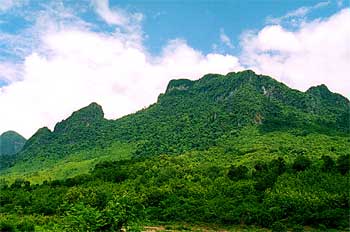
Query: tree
278, 227
301, 163
120, 211
84, 218
343, 164
328, 163
237, 173
278, 165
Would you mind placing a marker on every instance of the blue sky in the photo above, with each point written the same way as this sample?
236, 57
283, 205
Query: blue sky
199, 22
57, 56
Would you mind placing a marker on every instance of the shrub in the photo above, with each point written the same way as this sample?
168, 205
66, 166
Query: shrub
26, 226
278, 227
237, 173
328, 163
7, 226
298, 228
301, 163
343, 164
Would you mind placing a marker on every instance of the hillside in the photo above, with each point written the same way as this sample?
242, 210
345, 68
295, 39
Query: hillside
194, 114
240, 151
10, 144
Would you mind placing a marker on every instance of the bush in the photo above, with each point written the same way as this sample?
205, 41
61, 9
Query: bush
26, 226
343, 164
278, 227
84, 218
237, 173
7, 226
278, 165
298, 228
301, 163
328, 163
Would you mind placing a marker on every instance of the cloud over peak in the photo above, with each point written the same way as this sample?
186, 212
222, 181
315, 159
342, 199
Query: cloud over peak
317, 53
66, 63
73, 66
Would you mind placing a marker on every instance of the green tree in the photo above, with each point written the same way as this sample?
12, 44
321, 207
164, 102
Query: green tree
343, 164
328, 163
237, 173
120, 211
82, 217
301, 163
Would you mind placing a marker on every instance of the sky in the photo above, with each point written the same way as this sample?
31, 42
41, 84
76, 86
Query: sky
58, 56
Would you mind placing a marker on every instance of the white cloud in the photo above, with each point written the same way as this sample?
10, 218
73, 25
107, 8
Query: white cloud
318, 52
70, 65
9, 4
225, 39
73, 66
116, 16
297, 15
10, 72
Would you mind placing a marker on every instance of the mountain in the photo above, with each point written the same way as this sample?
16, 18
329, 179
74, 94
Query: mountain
82, 130
195, 114
10, 143
241, 151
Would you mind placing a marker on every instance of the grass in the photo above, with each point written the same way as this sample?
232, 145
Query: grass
241, 150
75, 164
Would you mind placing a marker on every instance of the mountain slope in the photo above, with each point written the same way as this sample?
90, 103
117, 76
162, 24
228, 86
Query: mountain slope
194, 114
249, 151
10, 143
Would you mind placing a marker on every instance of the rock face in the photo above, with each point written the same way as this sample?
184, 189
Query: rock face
11, 143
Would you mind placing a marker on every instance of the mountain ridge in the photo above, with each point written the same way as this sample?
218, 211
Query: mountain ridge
194, 114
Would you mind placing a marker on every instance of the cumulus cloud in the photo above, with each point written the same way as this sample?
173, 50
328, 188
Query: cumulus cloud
318, 52
74, 66
67, 64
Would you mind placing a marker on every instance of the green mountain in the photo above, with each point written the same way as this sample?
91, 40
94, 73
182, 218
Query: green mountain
195, 114
10, 143
237, 152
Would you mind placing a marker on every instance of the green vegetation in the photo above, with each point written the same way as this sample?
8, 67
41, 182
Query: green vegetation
225, 151
244, 179
38, 170
10, 143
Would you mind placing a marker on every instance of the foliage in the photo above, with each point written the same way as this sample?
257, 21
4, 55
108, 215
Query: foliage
196, 187
278, 227
10, 143
240, 149
301, 163
343, 164
193, 115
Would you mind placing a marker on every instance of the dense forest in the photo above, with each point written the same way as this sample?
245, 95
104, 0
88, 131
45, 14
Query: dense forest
240, 152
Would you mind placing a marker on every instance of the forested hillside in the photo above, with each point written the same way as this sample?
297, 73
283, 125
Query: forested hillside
239, 151
194, 114
10, 144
